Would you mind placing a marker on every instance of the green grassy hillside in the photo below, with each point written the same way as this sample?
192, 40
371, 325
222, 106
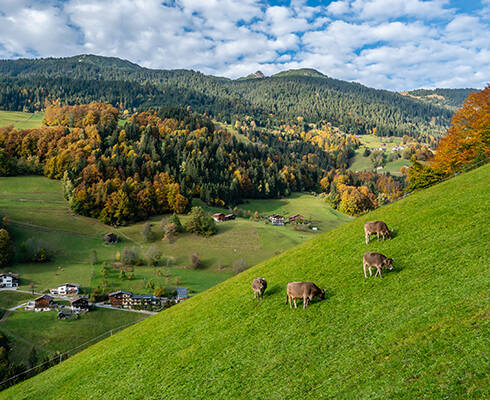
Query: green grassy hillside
421, 332
21, 120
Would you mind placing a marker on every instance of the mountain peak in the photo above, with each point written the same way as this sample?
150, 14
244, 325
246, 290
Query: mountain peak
301, 72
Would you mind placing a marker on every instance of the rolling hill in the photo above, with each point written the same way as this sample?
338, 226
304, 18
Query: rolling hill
28, 85
421, 332
449, 98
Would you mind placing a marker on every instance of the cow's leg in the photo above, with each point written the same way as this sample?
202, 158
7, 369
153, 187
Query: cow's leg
287, 298
364, 267
366, 236
290, 302
305, 302
295, 305
370, 270
377, 234
379, 272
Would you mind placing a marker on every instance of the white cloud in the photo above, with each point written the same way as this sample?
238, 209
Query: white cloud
393, 44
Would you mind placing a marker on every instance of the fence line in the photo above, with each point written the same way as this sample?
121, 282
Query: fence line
64, 355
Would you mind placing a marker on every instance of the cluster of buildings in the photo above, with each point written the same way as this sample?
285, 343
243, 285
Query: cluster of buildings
279, 220
46, 302
9, 280
125, 299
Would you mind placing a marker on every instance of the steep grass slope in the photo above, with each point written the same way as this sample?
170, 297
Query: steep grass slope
421, 332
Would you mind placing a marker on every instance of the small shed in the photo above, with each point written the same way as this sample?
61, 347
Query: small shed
79, 304
111, 238
219, 217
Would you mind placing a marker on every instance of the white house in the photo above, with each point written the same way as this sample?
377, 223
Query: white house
67, 289
9, 280
276, 219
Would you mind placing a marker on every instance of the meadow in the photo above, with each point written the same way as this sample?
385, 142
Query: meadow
420, 332
36, 208
21, 120
361, 163
48, 335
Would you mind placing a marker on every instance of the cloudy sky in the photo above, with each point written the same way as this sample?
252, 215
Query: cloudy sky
390, 44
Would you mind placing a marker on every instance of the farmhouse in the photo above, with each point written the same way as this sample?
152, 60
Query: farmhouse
42, 303
9, 280
142, 301
67, 289
276, 219
296, 219
79, 304
119, 298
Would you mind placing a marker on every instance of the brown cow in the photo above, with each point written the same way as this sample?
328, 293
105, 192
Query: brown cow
258, 286
376, 227
377, 260
303, 290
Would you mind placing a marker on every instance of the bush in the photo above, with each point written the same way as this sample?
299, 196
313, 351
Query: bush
239, 265
195, 260
169, 232
6, 248
129, 257
176, 220
147, 232
153, 255
201, 223
36, 250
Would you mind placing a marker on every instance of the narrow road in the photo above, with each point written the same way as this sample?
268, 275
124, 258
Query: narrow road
101, 305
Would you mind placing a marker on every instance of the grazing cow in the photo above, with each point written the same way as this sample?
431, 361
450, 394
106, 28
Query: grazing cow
377, 260
259, 285
303, 290
376, 227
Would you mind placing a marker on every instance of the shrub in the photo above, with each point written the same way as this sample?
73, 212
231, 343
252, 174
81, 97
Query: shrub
195, 260
153, 255
36, 250
201, 223
129, 257
6, 248
147, 232
239, 265
176, 220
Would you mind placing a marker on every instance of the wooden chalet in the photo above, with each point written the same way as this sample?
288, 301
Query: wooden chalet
220, 217
42, 303
296, 219
79, 304
119, 298
276, 219
110, 238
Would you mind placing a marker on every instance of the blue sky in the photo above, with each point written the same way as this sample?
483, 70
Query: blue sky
389, 44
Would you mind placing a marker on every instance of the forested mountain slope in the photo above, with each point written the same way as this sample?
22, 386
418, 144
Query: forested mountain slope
449, 98
354, 108
420, 332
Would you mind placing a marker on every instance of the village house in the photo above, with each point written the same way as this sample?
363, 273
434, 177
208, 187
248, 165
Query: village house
79, 304
142, 301
119, 298
67, 289
42, 303
296, 219
9, 280
276, 219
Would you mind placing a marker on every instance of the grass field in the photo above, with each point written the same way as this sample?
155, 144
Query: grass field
36, 208
361, 163
9, 299
21, 120
49, 335
419, 333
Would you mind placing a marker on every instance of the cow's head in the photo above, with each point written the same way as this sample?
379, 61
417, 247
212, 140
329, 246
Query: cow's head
322, 294
388, 263
389, 233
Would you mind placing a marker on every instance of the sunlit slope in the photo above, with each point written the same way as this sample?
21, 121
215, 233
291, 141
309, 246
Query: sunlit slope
421, 332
